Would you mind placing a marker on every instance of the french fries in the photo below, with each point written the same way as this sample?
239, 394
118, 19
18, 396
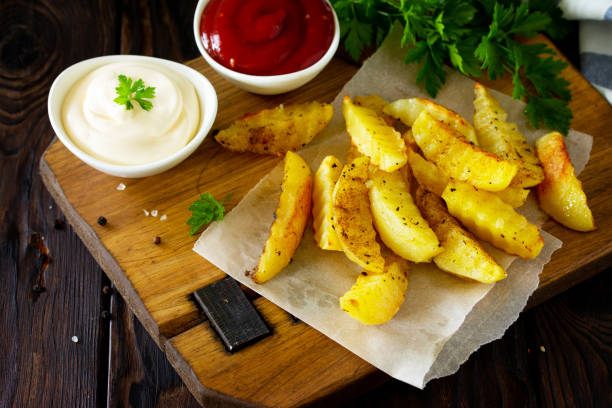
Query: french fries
491, 219
408, 110
352, 218
458, 158
277, 131
398, 220
291, 218
502, 138
322, 203
462, 255
373, 137
560, 194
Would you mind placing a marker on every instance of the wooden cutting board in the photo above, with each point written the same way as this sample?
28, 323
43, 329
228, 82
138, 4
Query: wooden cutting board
296, 365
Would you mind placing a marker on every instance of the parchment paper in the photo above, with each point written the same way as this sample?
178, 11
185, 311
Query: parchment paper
444, 319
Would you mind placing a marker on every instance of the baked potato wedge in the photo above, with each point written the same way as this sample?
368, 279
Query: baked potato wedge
560, 194
277, 131
352, 218
290, 220
489, 218
398, 220
376, 298
462, 254
458, 158
322, 202
408, 110
426, 173
377, 104
503, 138
373, 137
432, 179
515, 196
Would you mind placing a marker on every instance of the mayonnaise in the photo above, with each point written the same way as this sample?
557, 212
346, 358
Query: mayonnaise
106, 130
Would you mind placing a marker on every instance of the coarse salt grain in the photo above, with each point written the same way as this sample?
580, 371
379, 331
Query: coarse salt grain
121, 187
154, 213
163, 217
75, 339
146, 213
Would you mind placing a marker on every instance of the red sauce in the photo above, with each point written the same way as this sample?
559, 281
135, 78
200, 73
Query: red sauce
267, 37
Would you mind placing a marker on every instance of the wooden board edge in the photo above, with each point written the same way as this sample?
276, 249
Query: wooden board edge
205, 396
93, 244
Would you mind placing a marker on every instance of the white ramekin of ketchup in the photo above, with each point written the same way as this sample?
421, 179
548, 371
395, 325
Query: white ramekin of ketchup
266, 46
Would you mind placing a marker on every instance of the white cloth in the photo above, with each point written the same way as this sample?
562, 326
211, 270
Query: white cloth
595, 18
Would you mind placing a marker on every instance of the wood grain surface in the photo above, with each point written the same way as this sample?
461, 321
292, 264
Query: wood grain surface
43, 368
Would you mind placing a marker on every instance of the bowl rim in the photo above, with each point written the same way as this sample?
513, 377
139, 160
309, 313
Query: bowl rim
265, 80
205, 91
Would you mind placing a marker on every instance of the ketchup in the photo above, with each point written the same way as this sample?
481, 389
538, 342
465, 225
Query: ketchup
267, 37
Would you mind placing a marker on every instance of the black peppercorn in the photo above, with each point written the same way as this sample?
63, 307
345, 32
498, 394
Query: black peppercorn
102, 221
157, 240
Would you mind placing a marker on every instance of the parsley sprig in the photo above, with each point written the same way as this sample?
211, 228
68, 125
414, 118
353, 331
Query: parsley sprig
472, 36
130, 90
205, 210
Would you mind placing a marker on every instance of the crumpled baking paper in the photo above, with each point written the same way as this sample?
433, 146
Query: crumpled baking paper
443, 319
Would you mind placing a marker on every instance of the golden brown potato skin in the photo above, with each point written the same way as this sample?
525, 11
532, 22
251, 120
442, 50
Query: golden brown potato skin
277, 131
291, 219
353, 218
560, 194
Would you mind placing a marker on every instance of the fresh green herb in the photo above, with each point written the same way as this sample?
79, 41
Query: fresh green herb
472, 36
129, 91
205, 210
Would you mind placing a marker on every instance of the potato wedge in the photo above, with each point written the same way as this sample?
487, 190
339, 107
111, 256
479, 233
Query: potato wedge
277, 131
462, 254
322, 202
459, 159
408, 110
491, 219
515, 196
560, 194
432, 179
504, 139
353, 153
398, 220
377, 104
426, 173
373, 137
290, 220
353, 218
376, 298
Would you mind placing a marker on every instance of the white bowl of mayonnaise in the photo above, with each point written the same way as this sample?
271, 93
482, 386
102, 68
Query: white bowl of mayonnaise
106, 113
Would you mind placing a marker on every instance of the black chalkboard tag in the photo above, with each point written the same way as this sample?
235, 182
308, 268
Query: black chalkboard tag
231, 314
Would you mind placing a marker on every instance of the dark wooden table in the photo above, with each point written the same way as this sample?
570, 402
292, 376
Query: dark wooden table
556, 354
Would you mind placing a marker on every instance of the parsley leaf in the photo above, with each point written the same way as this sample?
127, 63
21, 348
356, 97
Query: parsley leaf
130, 90
205, 210
472, 36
